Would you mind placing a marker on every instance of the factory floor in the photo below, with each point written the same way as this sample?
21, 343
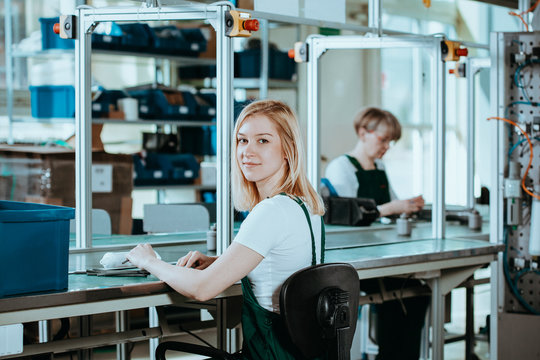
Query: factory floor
452, 351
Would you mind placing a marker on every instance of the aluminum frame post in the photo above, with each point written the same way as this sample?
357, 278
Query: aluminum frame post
224, 59
43, 326
473, 67
265, 59
375, 16
8, 41
313, 108
437, 319
523, 5
153, 322
471, 131
83, 136
439, 142
496, 208
121, 326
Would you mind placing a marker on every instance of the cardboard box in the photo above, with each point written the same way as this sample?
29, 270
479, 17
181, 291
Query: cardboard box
244, 4
47, 175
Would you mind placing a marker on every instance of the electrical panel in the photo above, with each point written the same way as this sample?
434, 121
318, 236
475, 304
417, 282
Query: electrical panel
518, 104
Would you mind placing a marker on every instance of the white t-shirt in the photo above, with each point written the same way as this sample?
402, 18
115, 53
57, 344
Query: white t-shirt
277, 229
342, 175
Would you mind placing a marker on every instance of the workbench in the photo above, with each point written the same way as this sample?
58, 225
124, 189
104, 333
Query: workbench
376, 251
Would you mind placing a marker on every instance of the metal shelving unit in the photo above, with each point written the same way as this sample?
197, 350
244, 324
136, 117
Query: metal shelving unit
176, 187
52, 53
246, 83
179, 123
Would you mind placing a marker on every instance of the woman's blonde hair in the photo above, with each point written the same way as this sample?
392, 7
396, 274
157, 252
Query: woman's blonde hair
294, 182
371, 117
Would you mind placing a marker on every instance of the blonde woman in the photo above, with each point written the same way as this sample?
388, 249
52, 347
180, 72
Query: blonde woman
283, 232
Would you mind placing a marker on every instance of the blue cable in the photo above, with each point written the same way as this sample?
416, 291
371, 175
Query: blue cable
517, 73
511, 281
519, 143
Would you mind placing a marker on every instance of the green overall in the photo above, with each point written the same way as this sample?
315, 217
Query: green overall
265, 336
398, 332
372, 184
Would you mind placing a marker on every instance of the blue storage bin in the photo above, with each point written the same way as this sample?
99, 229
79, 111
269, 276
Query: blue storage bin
172, 40
165, 169
165, 104
196, 72
105, 98
281, 65
107, 42
107, 35
56, 101
50, 40
247, 64
136, 37
35, 247
196, 40
198, 140
206, 106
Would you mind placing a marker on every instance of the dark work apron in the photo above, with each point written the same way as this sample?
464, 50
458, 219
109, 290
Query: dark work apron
398, 333
372, 184
265, 336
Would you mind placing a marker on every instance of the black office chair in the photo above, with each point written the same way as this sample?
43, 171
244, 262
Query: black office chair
319, 308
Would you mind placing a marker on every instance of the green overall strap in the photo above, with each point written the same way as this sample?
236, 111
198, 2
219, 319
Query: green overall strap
372, 184
323, 237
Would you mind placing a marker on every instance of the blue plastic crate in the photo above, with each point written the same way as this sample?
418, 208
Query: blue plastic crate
107, 42
155, 104
50, 40
35, 247
53, 101
206, 106
136, 37
161, 168
247, 64
171, 40
196, 72
104, 99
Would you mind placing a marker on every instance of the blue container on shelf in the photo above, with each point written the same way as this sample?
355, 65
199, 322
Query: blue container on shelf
136, 37
104, 99
53, 101
247, 64
165, 169
106, 42
34, 244
199, 140
170, 39
107, 35
206, 106
50, 40
196, 72
165, 104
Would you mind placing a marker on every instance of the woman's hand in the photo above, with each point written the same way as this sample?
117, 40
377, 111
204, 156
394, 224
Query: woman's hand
402, 206
196, 260
141, 255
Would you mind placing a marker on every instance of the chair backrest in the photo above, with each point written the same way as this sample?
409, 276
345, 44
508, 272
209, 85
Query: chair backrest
101, 223
169, 218
319, 306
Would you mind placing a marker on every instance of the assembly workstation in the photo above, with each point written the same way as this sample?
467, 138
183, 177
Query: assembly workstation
441, 251
381, 252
